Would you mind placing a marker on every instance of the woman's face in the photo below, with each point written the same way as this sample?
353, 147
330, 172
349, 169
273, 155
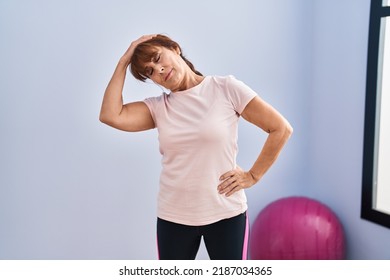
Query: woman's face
167, 68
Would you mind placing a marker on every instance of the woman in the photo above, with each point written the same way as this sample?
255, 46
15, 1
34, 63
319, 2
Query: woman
201, 186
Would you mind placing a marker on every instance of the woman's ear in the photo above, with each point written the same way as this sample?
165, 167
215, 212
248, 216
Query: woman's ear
177, 50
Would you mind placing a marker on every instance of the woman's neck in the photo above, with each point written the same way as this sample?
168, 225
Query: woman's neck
189, 81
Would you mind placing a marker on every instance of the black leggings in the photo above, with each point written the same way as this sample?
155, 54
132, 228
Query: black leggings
225, 240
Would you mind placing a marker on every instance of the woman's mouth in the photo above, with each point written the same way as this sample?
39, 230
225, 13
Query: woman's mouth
168, 75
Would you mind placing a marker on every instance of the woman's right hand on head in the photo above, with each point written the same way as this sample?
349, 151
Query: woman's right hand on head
129, 52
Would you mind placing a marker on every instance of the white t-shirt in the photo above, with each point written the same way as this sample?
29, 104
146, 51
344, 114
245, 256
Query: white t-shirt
198, 143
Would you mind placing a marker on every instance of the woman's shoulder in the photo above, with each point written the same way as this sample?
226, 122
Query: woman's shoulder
218, 78
226, 81
222, 80
160, 97
156, 100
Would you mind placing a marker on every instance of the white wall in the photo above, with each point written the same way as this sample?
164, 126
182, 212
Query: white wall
73, 188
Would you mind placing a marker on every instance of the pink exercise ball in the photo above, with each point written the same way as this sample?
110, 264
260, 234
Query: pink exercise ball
297, 228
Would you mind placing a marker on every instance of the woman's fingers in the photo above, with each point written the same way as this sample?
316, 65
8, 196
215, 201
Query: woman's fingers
234, 180
129, 52
144, 38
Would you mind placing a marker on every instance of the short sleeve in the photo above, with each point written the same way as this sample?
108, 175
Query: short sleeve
239, 93
153, 104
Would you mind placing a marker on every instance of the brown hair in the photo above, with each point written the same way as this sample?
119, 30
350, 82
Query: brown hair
145, 51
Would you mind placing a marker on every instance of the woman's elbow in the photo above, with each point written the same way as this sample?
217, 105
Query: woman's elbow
106, 119
284, 130
102, 118
289, 129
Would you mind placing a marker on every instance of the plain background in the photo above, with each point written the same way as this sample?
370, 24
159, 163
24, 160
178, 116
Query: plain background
73, 188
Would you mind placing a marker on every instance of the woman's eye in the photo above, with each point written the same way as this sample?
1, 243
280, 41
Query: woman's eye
157, 58
149, 72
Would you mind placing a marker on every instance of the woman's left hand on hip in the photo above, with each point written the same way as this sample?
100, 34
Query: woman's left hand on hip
235, 180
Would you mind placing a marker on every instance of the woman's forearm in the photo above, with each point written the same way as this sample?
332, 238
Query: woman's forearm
272, 147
